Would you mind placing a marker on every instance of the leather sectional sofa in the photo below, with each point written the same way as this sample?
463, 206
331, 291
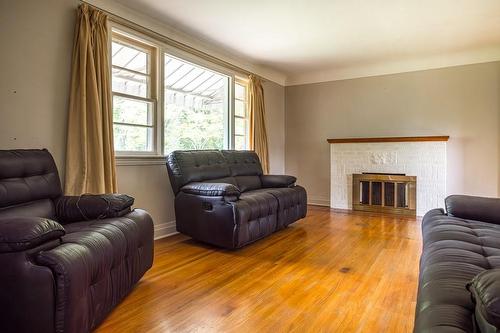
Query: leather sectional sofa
459, 284
223, 198
66, 262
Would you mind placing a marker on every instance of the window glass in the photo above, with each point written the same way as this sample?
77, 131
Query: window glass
126, 56
241, 121
130, 83
134, 112
133, 107
132, 138
196, 106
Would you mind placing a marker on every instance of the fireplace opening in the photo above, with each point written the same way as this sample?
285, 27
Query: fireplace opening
384, 192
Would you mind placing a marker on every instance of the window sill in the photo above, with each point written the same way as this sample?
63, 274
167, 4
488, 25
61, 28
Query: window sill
139, 160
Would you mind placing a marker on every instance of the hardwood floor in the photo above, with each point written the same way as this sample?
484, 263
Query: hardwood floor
334, 271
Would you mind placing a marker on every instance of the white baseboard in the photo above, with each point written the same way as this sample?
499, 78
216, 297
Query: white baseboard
318, 201
164, 230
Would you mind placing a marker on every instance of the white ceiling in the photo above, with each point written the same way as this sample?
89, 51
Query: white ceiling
319, 40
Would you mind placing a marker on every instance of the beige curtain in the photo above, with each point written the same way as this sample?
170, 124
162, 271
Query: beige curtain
258, 132
90, 160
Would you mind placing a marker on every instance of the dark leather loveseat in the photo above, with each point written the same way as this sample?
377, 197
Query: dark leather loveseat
223, 198
65, 262
459, 284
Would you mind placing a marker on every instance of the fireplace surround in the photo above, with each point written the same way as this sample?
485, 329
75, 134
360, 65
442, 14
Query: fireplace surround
422, 157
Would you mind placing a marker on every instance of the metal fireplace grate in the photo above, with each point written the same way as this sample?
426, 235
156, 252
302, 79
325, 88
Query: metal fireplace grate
382, 192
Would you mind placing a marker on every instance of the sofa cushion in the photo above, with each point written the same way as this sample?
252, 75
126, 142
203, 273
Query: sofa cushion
38, 208
195, 166
27, 176
243, 162
256, 216
474, 208
292, 203
95, 267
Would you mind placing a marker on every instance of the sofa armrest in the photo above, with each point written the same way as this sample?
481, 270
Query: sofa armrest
24, 233
474, 208
228, 191
277, 181
91, 207
485, 292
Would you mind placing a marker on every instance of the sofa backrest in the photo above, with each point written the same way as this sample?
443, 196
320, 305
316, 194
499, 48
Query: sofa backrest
245, 168
29, 182
187, 166
240, 168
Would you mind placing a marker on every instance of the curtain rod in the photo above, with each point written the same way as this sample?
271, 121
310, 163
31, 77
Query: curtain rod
172, 42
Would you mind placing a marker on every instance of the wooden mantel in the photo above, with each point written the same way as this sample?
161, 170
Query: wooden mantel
390, 139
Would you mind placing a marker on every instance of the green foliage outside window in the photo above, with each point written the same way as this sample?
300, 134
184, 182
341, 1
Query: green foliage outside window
194, 127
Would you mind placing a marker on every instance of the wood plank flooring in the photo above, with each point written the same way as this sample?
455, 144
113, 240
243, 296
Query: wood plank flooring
334, 271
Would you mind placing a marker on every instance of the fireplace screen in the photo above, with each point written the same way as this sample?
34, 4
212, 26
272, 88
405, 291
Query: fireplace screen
387, 193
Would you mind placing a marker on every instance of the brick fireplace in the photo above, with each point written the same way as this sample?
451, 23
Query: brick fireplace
420, 157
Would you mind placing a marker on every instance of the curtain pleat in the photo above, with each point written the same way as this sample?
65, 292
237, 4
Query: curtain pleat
90, 160
258, 132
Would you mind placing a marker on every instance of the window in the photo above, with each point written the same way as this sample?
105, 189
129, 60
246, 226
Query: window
241, 119
134, 98
196, 106
176, 102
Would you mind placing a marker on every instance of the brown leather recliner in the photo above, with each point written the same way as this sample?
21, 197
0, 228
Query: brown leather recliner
223, 198
66, 262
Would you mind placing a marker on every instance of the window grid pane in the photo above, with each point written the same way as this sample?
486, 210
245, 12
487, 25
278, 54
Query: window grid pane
133, 138
196, 106
133, 114
129, 57
241, 122
132, 111
130, 83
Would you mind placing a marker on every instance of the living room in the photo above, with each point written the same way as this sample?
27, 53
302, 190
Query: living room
325, 166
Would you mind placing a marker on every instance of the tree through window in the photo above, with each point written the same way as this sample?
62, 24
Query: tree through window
196, 104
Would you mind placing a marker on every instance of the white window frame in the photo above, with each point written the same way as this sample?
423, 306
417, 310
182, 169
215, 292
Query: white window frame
152, 93
157, 156
242, 82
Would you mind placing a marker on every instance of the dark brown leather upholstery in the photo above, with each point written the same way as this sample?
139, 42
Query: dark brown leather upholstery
91, 207
485, 290
58, 275
223, 198
457, 246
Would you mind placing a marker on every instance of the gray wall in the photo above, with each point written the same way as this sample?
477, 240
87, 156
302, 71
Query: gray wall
274, 101
462, 102
35, 62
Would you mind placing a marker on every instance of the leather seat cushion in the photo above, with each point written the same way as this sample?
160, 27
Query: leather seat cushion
292, 203
455, 250
97, 264
256, 216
